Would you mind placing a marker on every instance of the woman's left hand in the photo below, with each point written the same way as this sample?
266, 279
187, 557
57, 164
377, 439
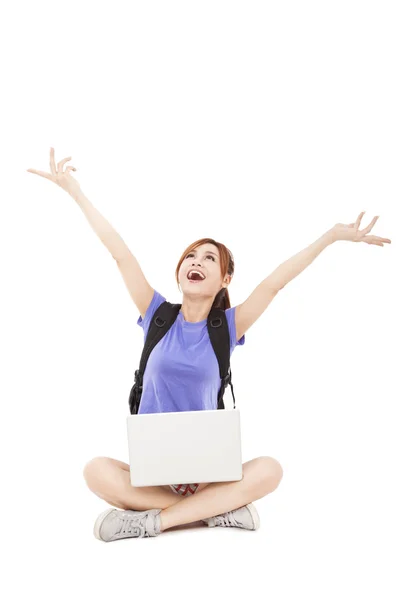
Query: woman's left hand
352, 233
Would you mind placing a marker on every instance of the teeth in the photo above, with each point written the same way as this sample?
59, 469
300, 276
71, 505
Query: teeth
194, 271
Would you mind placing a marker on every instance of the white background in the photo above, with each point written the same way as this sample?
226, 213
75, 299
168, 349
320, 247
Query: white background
261, 125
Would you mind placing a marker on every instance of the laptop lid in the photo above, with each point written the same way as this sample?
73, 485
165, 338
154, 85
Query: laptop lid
184, 447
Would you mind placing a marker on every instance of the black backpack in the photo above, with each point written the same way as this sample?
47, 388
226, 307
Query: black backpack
164, 317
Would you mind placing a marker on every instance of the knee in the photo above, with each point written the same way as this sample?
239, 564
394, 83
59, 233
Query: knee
270, 472
93, 469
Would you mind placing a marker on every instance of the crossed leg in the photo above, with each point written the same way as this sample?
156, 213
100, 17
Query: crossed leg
110, 480
261, 476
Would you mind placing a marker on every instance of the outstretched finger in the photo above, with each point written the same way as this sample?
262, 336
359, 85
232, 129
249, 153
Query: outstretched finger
369, 239
374, 239
61, 164
386, 240
41, 173
52, 162
358, 220
370, 226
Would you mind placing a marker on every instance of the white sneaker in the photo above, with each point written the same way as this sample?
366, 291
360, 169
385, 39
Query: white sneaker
245, 517
114, 524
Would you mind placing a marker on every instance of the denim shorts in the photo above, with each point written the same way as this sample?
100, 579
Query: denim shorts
184, 489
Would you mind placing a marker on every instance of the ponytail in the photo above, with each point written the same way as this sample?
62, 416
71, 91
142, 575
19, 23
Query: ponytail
222, 299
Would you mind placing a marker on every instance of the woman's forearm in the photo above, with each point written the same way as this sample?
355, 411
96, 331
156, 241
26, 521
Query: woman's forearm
105, 231
297, 263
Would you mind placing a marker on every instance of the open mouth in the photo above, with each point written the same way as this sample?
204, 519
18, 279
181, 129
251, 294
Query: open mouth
195, 276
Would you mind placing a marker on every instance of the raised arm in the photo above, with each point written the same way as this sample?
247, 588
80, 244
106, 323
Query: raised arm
138, 287
249, 311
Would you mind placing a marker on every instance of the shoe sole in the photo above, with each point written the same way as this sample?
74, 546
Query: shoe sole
254, 515
99, 522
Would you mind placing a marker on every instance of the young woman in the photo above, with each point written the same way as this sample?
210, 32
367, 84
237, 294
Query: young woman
147, 511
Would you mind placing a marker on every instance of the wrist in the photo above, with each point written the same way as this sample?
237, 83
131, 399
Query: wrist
330, 236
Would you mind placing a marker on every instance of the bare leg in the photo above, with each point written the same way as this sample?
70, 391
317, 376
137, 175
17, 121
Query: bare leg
110, 480
260, 477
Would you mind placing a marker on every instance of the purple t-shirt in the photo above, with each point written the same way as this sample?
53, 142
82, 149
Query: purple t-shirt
182, 373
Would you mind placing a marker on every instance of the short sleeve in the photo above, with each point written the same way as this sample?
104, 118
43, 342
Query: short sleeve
156, 301
230, 317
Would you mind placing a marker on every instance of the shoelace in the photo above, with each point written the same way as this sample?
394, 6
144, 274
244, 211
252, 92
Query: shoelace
226, 520
132, 525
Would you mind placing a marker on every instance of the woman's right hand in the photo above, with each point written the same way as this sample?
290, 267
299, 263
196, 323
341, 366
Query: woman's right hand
62, 178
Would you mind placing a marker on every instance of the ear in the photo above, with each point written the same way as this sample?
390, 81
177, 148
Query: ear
227, 280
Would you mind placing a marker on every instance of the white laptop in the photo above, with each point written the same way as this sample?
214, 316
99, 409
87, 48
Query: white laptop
184, 447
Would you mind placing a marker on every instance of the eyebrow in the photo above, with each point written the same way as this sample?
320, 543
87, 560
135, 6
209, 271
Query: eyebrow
208, 252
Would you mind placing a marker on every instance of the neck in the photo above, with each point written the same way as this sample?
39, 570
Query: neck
196, 309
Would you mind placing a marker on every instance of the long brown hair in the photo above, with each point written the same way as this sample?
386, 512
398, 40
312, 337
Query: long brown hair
222, 299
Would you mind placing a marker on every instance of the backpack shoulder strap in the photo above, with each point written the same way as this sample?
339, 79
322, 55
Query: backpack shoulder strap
218, 330
163, 319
